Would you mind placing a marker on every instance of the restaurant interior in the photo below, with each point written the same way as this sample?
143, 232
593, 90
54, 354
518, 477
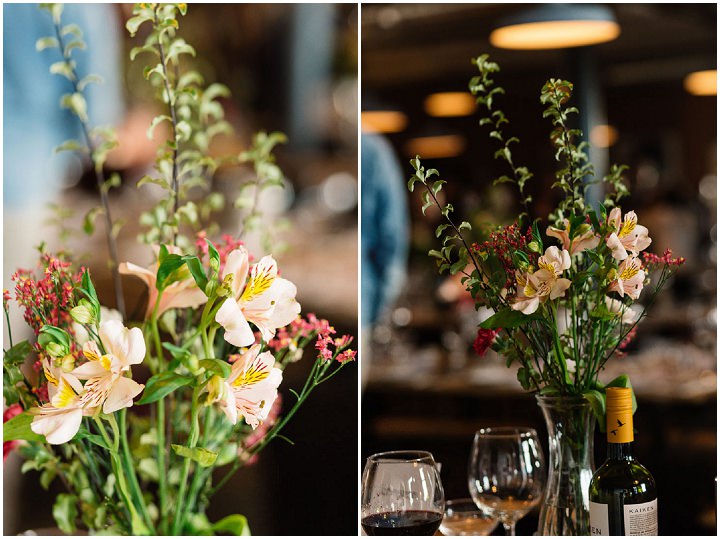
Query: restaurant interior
291, 69
424, 388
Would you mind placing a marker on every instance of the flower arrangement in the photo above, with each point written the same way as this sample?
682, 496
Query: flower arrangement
134, 416
566, 301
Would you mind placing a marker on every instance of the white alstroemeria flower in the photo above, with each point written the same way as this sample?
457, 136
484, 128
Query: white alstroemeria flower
81, 334
630, 313
581, 242
544, 284
627, 236
178, 295
263, 298
251, 389
629, 278
107, 385
60, 419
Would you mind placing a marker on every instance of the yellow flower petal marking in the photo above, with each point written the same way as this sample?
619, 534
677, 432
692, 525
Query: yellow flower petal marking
49, 377
627, 227
65, 397
253, 375
260, 281
629, 272
90, 354
105, 361
543, 264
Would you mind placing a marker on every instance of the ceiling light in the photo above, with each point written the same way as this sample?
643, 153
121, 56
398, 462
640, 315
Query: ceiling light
556, 26
702, 82
603, 136
383, 121
448, 104
436, 147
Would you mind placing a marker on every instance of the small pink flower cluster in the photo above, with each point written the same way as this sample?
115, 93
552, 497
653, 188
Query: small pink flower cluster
325, 344
503, 243
298, 329
652, 260
47, 300
228, 245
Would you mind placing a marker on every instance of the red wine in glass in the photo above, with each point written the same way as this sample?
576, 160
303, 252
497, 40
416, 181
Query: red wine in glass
402, 523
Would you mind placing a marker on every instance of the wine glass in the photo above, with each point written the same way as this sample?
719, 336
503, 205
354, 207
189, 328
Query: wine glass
463, 517
506, 473
401, 494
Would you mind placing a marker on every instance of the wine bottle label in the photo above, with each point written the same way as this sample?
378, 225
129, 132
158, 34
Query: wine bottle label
639, 518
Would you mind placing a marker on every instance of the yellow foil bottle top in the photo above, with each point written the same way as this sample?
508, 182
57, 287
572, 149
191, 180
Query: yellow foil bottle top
618, 406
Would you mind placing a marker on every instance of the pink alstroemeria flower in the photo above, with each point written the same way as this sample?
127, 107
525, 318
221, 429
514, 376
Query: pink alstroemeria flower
107, 385
178, 295
629, 279
251, 389
586, 240
266, 300
544, 284
627, 236
60, 419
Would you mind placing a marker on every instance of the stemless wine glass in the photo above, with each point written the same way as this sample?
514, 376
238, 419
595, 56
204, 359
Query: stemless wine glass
401, 494
506, 473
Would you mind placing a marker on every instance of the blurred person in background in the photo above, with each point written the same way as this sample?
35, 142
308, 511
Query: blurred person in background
385, 236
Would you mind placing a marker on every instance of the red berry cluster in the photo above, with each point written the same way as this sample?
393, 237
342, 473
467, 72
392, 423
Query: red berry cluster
503, 243
652, 261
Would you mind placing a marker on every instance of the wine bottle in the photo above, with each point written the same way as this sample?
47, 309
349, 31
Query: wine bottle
623, 499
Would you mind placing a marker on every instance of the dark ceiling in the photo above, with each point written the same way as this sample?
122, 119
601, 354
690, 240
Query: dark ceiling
413, 44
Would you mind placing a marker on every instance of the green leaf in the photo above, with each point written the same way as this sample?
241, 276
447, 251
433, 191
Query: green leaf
204, 457
52, 335
168, 266
196, 270
63, 68
65, 512
134, 23
157, 120
163, 384
507, 318
71, 146
597, 402
89, 220
89, 79
17, 354
18, 428
46, 43
233, 524
218, 366
77, 104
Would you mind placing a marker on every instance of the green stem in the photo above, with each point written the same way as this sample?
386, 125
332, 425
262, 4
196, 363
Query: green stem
130, 468
137, 526
192, 443
7, 319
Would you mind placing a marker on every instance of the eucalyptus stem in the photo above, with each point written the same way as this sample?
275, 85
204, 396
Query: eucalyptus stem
174, 122
100, 180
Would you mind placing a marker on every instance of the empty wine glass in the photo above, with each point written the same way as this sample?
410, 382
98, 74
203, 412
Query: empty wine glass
463, 517
506, 473
401, 494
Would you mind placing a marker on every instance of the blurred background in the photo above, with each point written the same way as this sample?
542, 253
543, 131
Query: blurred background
423, 385
291, 68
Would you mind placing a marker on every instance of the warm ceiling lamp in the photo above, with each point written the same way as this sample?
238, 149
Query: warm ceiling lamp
449, 104
604, 136
556, 26
383, 121
436, 147
702, 82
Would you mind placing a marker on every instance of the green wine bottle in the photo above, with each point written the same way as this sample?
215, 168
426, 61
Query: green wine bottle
623, 499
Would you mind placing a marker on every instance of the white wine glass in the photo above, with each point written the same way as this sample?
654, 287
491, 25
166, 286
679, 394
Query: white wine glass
506, 473
401, 494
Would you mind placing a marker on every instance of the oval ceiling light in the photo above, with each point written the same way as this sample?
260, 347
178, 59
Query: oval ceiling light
450, 104
604, 136
701, 82
436, 147
556, 26
383, 121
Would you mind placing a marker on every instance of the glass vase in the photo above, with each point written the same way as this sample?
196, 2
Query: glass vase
571, 426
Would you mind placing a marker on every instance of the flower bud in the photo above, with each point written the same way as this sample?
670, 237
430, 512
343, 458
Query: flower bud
83, 313
217, 390
534, 247
56, 350
211, 288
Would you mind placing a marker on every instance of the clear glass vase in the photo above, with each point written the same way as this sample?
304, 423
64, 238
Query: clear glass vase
571, 426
